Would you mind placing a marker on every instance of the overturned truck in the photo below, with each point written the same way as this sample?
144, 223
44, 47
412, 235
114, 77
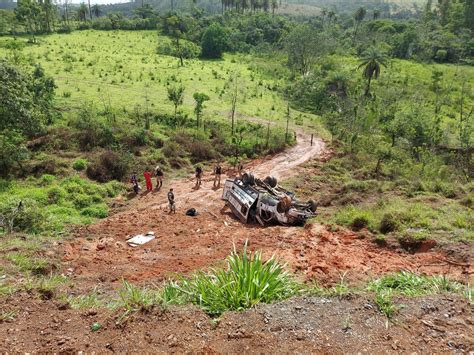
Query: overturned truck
252, 199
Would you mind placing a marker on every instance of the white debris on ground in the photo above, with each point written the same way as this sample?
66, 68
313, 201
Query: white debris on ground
141, 239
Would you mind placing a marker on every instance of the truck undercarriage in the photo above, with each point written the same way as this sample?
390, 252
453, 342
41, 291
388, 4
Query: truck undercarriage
263, 201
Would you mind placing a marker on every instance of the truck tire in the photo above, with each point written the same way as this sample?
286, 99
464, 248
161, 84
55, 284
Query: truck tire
271, 181
248, 179
312, 205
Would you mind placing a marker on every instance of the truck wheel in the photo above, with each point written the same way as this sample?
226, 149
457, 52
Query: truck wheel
271, 181
312, 205
248, 179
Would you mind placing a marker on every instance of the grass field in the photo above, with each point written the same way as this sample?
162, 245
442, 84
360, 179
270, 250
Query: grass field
120, 69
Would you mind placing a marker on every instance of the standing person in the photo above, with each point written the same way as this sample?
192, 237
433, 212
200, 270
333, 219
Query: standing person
134, 181
240, 168
149, 184
171, 201
198, 176
159, 177
217, 175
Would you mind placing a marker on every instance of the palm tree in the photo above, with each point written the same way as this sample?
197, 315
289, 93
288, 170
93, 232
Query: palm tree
372, 60
90, 9
96, 10
359, 16
376, 14
82, 12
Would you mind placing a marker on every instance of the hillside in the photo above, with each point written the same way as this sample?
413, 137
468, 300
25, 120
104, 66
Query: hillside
237, 175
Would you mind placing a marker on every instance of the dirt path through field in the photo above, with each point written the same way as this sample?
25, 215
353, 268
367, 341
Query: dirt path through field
100, 255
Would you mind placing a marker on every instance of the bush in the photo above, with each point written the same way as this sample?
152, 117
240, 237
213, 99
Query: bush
56, 194
173, 150
90, 132
214, 41
388, 223
359, 222
188, 49
98, 211
201, 151
82, 201
79, 164
109, 166
24, 217
47, 179
246, 282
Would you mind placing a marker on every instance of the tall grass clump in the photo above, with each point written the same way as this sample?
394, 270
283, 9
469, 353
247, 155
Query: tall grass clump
247, 281
410, 284
134, 298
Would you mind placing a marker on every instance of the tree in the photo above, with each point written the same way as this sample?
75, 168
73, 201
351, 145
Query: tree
214, 41
234, 94
359, 16
176, 96
372, 60
376, 14
12, 151
96, 10
90, 9
304, 46
199, 99
145, 11
25, 100
28, 12
176, 28
82, 12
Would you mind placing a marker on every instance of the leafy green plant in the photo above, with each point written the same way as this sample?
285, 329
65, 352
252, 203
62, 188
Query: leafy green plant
411, 284
385, 304
247, 281
79, 164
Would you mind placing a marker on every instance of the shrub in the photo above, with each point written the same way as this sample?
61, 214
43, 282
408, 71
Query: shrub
98, 211
90, 131
113, 188
47, 179
172, 149
201, 151
388, 223
188, 49
56, 194
23, 217
79, 164
359, 222
82, 201
247, 281
109, 166
214, 41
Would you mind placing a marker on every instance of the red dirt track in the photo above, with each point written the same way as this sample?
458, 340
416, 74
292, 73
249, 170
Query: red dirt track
184, 244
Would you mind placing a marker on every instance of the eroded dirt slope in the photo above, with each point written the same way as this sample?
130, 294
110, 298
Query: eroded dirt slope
435, 324
99, 255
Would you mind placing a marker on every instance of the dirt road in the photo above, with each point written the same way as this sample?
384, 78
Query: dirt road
99, 255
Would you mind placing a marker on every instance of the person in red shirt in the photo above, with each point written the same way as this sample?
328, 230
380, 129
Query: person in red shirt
149, 184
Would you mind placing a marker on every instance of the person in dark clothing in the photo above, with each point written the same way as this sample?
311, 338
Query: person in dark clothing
217, 175
159, 177
171, 201
240, 169
134, 181
198, 176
